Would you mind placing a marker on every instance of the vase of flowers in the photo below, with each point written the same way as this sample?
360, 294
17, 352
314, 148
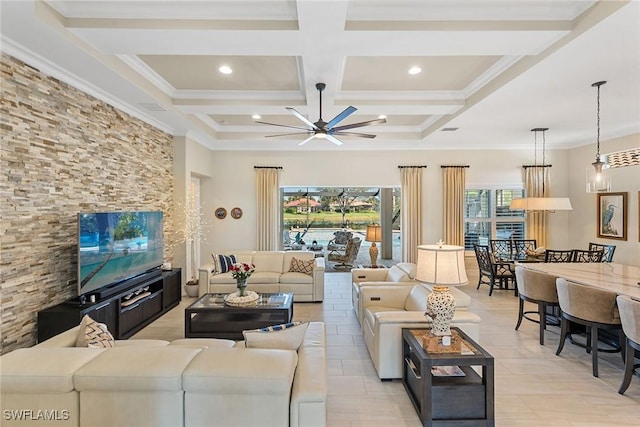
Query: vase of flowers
241, 271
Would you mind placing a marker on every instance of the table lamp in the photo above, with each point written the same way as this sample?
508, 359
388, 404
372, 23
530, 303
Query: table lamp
374, 234
442, 266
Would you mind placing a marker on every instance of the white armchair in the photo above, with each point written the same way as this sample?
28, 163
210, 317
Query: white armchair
388, 309
402, 274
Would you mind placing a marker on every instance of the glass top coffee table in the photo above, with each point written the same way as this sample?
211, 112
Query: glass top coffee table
210, 317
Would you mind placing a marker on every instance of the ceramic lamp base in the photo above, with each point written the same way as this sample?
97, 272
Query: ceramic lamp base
373, 253
441, 307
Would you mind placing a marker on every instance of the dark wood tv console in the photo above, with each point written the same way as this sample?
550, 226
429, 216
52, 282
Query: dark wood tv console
124, 313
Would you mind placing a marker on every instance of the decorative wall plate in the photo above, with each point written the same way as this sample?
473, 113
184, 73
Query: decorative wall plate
221, 213
236, 213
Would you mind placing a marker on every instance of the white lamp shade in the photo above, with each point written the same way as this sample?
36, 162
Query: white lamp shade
542, 204
441, 265
374, 233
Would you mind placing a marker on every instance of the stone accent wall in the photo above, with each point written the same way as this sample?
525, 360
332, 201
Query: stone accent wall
64, 152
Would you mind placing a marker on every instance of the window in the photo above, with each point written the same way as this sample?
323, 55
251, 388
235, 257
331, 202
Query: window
487, 216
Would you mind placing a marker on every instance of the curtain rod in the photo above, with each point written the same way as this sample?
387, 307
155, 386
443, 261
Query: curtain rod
417, 166
535, 166
454, 166
267, 167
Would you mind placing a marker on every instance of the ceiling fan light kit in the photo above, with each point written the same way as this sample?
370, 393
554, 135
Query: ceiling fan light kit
326, 130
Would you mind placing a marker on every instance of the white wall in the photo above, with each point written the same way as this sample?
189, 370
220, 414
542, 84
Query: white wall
232, 183
189, 159
583, 218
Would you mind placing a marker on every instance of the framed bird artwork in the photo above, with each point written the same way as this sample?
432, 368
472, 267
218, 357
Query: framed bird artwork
612, 216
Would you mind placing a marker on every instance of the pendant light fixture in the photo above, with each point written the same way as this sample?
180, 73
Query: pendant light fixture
598, 179
551, 204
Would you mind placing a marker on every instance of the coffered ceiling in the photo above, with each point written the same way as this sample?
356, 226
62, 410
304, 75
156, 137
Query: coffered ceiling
493, 69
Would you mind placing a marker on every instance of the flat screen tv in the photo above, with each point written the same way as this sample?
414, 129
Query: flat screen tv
116, 246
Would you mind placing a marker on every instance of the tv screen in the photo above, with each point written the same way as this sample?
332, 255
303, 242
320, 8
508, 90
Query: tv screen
115, 246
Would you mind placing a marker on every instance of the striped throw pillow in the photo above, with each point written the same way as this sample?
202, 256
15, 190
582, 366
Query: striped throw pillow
223, 262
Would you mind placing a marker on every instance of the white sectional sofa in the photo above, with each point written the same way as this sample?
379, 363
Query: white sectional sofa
386, 309
271, 275
154, 383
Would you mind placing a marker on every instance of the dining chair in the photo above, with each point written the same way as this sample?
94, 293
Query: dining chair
607, 249
521, 248
588, 306
500, 248
537, 288
630, 317
553, 255
493, 272
581, 255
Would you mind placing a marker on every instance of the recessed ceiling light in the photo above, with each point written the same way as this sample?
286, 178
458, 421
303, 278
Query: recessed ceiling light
225, 69
415, 70
382, 116
256, 117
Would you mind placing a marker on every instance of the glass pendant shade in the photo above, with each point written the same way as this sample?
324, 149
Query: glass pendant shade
598, 179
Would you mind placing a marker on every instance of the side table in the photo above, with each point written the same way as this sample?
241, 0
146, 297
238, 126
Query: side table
443, 398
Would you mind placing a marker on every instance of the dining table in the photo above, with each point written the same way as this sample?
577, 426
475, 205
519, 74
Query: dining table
619, 278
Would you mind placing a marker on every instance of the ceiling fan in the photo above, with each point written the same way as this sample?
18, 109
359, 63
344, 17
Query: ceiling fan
326, 130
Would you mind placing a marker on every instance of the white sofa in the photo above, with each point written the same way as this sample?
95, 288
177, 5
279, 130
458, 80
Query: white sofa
271, 275
388, 309
403, 273
154, 383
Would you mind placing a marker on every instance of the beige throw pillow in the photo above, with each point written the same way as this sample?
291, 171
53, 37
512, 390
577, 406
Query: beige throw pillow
288, 336
300, 266
94, 334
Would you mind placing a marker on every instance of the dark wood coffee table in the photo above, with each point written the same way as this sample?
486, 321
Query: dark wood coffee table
209, 317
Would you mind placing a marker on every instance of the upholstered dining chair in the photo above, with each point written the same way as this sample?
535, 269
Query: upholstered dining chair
581, 255
553, 255
630, 317
493, 272
607, 249
592, 307
540, 289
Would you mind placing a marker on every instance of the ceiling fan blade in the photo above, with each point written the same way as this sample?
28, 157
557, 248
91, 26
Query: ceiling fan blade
289, 134
307, 140
340, 117
301, 117
362, 135
334, 139
285, 126
361, 124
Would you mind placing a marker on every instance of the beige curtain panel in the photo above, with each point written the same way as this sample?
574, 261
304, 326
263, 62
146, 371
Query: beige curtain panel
268, 208
453, 185
537, 185
411, 207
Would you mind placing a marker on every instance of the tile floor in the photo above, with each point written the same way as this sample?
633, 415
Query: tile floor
534, 387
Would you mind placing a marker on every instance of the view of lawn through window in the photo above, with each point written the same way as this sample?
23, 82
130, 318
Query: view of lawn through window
487, 216
314, 213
